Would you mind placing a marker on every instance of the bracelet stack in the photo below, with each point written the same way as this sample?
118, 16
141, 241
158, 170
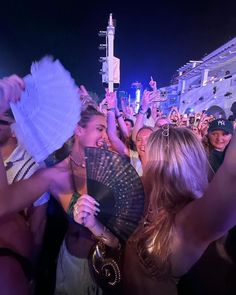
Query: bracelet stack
101, 236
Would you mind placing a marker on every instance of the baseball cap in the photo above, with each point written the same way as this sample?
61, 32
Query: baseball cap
221, 124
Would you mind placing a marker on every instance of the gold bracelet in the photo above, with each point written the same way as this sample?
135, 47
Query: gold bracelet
101, 235
104, 240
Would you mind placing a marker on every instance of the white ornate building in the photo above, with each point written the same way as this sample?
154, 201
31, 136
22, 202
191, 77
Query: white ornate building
207, 84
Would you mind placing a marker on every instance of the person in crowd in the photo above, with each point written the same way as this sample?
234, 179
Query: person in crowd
73, 276
20, 195
196, 131
141, 143
233, 109
22, 233
10, 91
147, 101
184, 121
15, 197
203, 123
137, 158
155, 112
215, 271
160, 122
174, 116
130, 125
126, 136
66, 182
184, 215
171, 237
219, 134
127, 109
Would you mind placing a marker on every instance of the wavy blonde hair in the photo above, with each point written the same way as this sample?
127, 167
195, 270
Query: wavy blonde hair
175, 174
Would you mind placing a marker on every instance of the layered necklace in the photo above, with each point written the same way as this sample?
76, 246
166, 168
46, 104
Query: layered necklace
81, 164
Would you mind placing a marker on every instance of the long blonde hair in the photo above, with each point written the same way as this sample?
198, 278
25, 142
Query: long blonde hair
175, 174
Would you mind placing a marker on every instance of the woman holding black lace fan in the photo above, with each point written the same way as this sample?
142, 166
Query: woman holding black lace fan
73, 275
68, 183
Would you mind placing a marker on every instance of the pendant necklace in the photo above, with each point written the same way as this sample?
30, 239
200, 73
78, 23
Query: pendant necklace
78, 164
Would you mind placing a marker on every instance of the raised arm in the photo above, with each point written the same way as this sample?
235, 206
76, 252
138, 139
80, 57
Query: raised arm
172, 111
116, 142
124, 107
20, 195
210, 217
146, 102
153, 84
121, 122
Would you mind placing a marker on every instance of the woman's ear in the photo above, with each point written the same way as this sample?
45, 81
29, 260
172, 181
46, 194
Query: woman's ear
13, 133
79, 130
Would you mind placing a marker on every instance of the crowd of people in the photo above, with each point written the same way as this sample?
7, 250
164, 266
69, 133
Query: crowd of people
187, 165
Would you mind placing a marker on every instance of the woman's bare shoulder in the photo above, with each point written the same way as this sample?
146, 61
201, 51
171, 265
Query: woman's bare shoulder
63, 164
61, 178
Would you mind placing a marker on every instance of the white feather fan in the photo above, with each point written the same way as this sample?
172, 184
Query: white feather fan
48, 110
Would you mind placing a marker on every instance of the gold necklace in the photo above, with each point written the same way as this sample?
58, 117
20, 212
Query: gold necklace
78, 164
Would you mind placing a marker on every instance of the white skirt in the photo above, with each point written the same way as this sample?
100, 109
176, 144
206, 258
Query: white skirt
73, 275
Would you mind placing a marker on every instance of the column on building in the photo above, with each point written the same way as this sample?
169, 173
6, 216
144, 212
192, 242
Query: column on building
181, 86
204, 77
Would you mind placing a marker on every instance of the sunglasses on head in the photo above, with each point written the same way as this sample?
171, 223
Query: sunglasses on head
4, 122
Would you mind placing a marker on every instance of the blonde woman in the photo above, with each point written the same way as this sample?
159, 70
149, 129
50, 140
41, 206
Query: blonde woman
183, 216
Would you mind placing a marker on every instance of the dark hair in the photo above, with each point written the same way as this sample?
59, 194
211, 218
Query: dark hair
143, 128
129, 120
149, 112
9, 114
87, 114
231, 118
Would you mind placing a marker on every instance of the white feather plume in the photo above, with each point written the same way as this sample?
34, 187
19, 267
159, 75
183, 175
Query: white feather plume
49, 109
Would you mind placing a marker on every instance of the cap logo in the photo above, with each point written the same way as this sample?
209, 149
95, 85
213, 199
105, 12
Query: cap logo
221, 123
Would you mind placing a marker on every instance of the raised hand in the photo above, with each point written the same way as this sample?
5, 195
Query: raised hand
85, 210
83, 91
147, 99
103, 106
155, 94
84, 95
111, 100
153, 84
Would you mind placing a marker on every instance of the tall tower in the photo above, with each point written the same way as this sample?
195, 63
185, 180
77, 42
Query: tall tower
110, 64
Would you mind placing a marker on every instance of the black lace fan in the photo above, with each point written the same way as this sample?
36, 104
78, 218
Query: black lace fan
115, 184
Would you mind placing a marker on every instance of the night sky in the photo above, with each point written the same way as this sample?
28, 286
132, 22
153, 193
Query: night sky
154, 38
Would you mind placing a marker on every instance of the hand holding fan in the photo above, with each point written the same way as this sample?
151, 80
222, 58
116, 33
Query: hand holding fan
48, 110
115, 184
